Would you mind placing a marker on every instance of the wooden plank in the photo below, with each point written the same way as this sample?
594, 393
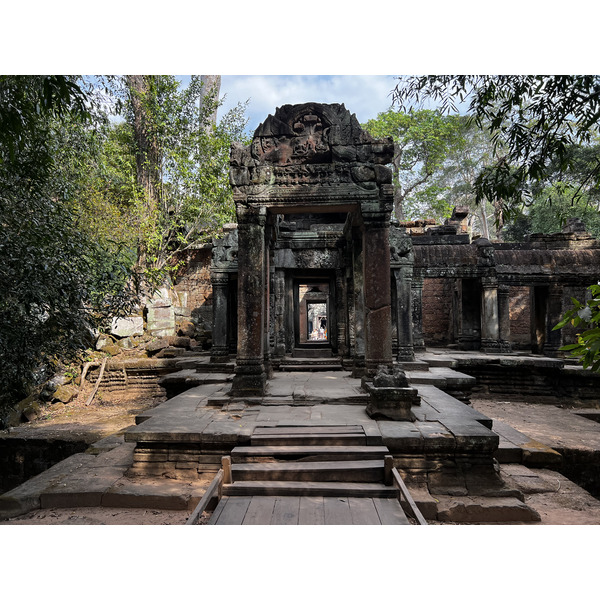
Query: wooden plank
309, 488
414, 509
212, 490
260, 510
363, 511
244, 451
356, 471
337, 511
390, 512
311, 511
234, 511
217, 512
286, 510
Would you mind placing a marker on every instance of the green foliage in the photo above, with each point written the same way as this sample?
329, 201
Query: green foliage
190, 170
535, 119
586, 315
422, 140
59, 280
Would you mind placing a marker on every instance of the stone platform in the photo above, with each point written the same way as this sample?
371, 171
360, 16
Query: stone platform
166, 459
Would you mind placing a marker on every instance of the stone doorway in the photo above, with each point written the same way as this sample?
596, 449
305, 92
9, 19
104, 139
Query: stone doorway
314, 317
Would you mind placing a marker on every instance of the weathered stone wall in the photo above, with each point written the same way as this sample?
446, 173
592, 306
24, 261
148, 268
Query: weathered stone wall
194, 281
437, 311
520, 317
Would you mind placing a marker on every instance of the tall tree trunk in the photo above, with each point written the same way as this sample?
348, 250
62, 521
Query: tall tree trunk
211, 86
398, 195
485, 232
147, 154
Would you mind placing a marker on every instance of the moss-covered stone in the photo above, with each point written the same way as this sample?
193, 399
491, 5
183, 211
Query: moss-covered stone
64, 394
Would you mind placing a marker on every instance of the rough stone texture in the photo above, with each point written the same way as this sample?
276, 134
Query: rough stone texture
485, 510
127, 326
437, 311
64, 394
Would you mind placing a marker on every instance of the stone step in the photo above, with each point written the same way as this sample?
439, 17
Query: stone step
249, 454
309, 353
310, 366
310, 488
346, 435
356, 471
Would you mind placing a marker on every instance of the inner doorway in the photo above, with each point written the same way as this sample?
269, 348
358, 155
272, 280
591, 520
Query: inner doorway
313, 316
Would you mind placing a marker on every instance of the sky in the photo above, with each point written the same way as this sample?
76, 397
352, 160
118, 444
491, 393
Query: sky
363, 95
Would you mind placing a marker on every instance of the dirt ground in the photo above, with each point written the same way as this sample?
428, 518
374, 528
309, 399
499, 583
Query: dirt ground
100, 516
109, 414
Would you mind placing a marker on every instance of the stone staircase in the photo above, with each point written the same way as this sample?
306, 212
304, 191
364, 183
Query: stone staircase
309, 461
311, 359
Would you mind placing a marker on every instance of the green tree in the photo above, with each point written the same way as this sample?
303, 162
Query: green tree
182, 166
422, 142
585, 315
459, 175
58, 282
543, 123
534, 118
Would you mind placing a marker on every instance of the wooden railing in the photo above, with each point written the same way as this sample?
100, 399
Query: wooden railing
213, 491
413, 509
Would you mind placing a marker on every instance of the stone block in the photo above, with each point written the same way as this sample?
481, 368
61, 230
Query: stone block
447, 482
401, 437
170, 352
156, 345
391, 402
472, 436
180, 341
64, 394
425, 502
127, 326
186, 328
485, 510
436, 437
160, 299
112, 349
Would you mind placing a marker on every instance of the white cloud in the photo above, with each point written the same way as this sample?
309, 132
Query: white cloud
364, 95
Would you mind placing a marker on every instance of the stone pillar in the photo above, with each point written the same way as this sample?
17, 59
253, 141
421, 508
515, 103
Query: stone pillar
504, 316
250, 376
358, 303
220, 339
490, 329
341, 310
279, 312
404, 314
553, 316
377, 292
417, 312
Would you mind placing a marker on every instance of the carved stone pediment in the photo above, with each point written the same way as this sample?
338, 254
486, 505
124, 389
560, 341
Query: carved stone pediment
313, 154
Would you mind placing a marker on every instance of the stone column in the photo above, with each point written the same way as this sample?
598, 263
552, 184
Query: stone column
417, 312
553, 316
250, 376
490, 330
404, 314
377, 292
504, 316
220, 339
341, 310
358, 304
279, 312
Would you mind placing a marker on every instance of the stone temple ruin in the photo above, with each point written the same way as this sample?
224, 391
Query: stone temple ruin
315, 280
313, 199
